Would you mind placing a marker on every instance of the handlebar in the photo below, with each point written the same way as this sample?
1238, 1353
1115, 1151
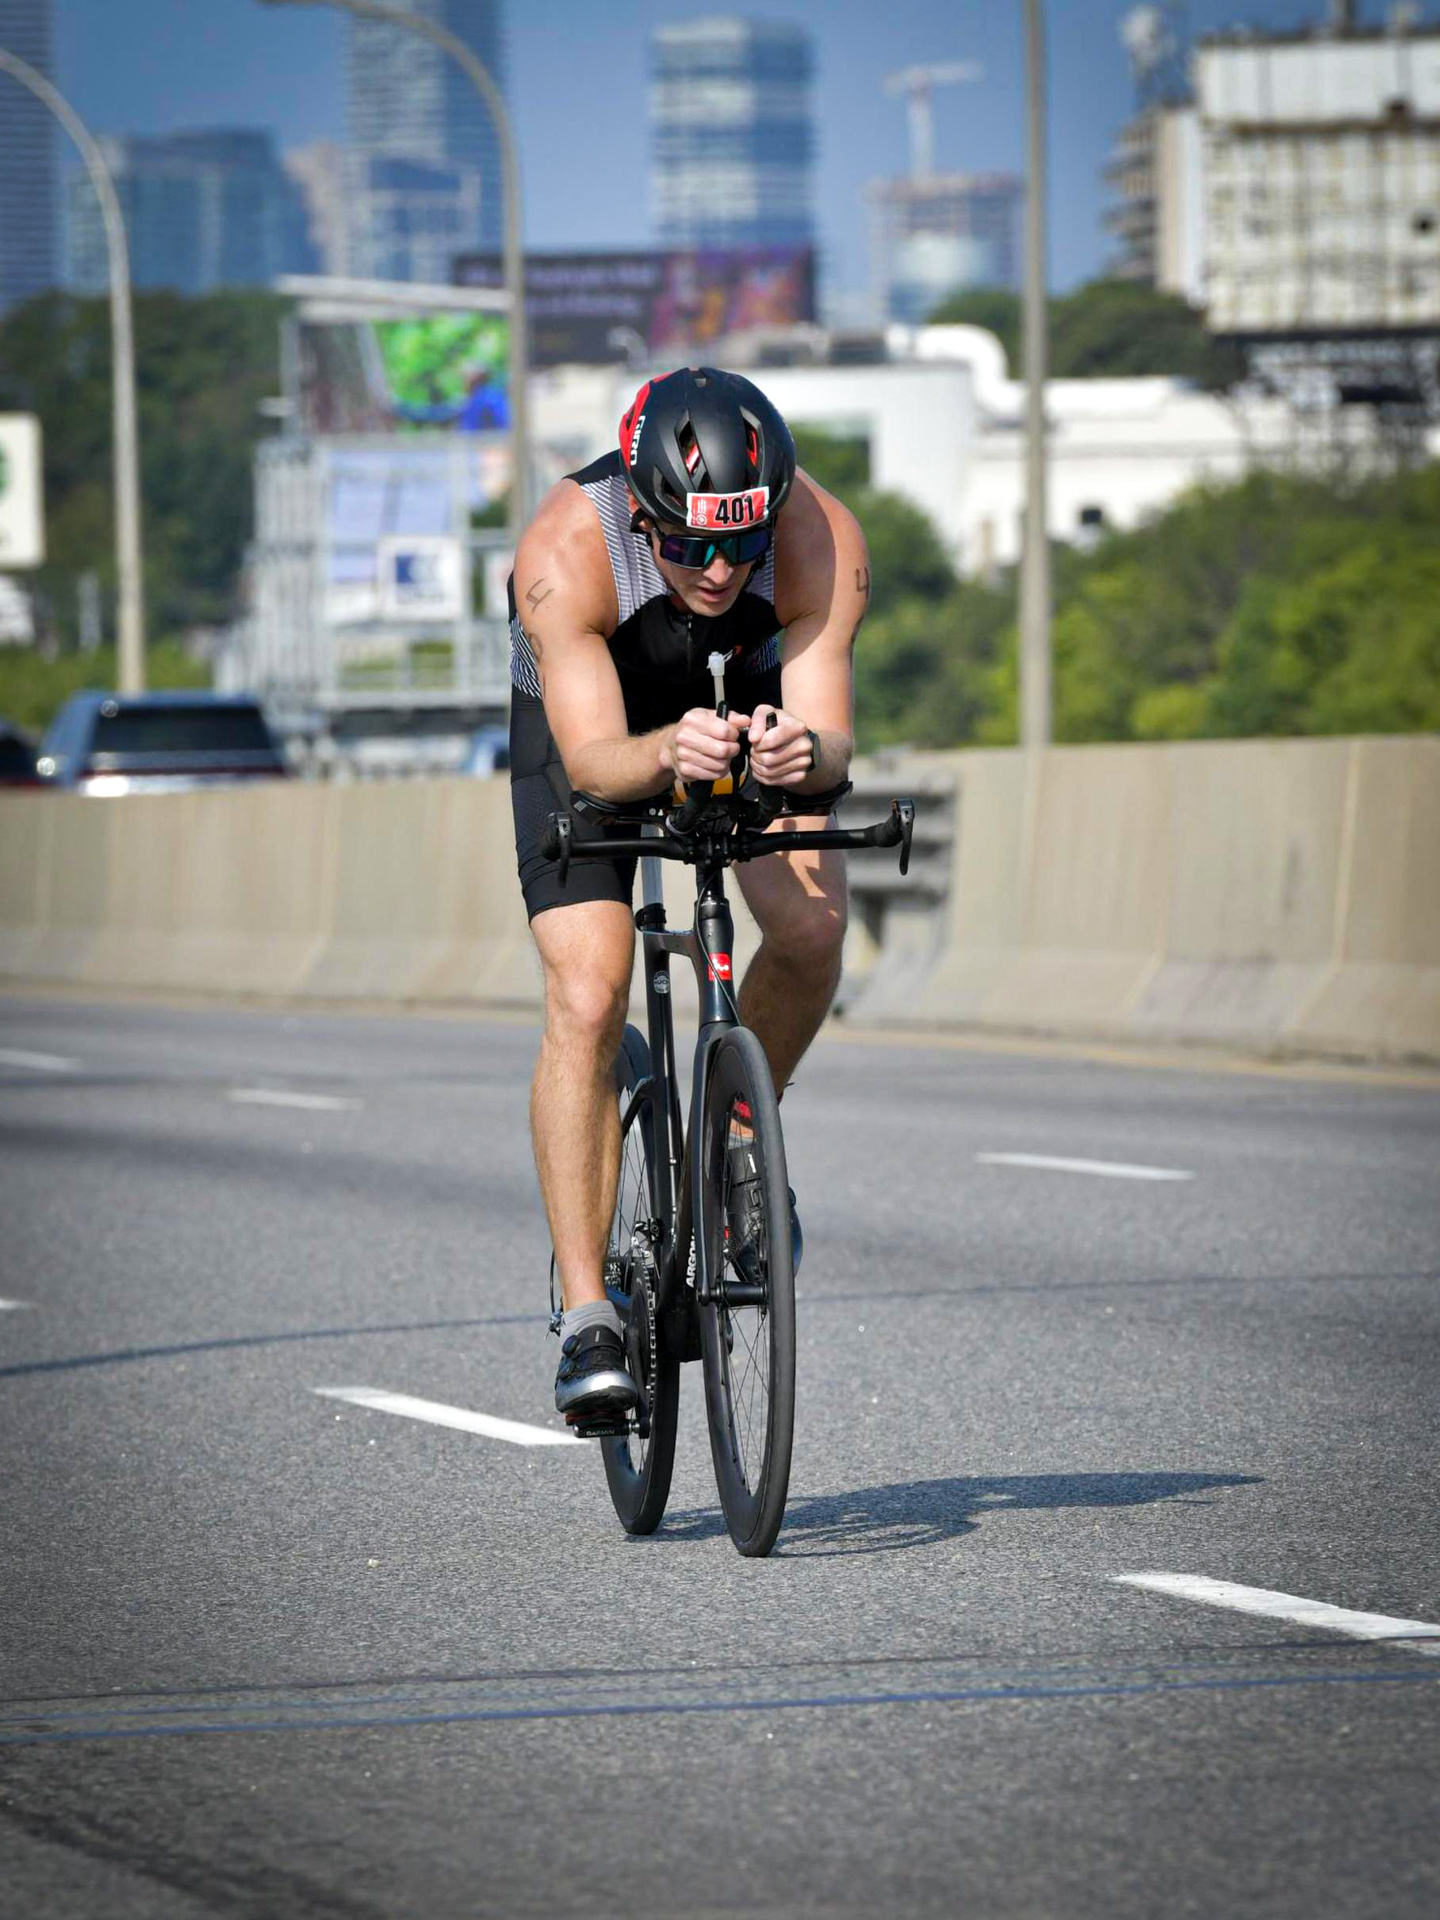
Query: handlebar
734, 835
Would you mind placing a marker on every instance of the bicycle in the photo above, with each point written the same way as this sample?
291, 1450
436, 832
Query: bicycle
696, 1268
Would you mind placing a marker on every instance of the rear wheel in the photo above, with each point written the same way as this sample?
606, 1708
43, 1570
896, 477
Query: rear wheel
747, 1325
638, 1465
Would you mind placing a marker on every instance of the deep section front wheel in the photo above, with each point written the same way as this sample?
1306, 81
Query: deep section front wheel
747, 1322
638, 1465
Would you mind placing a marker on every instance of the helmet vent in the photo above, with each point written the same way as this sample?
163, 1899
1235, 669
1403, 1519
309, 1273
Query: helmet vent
689, 449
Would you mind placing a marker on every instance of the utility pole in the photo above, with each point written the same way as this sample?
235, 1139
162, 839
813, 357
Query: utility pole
1035, 696
466, 58
129, 580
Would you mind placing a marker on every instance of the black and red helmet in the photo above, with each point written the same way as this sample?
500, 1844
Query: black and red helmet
706, 449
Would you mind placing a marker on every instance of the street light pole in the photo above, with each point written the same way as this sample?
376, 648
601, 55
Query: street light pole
131, 622
466, 58
1035, 659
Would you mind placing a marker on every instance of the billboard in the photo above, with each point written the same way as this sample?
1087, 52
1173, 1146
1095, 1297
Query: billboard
371, 375
603, 308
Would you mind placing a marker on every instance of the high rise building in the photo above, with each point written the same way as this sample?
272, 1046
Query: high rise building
202, 210
936, 235
425, 180
29, 188
731, 135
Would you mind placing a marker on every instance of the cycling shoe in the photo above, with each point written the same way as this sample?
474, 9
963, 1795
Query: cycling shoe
593, 1382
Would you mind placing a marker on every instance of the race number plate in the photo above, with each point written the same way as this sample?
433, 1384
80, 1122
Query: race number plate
725, 512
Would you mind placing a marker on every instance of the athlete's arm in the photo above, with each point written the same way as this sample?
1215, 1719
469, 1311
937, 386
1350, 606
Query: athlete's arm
565, 598
822, 588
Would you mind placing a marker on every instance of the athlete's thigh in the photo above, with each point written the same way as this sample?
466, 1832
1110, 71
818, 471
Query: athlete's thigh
799, 895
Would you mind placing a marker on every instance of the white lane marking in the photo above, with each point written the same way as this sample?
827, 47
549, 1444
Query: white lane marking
1287, 1606
1107, 1169
278, 1097
440, 1415
37, 1062
14, 1306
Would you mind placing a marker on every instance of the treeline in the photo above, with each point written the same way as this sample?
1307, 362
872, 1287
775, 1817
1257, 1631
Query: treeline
1107, 328
202, 367
1278, 605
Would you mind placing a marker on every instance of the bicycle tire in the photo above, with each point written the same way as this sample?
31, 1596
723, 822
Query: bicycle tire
638, 1470
749, 1349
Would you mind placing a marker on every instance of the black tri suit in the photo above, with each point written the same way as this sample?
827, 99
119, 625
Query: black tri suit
660, 653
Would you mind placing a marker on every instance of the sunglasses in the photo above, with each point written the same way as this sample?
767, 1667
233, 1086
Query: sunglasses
697, 550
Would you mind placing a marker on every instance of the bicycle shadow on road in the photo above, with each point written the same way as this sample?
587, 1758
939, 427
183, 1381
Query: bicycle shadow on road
923, 1513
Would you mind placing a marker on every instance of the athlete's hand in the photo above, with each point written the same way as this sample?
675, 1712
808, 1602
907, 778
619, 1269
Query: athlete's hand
782, 753
703, 744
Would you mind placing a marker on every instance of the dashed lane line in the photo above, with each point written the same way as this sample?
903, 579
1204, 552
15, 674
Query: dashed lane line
461, 1418
1416, 1636
282, 1097
1106, 1169
37, 1062
14, 1306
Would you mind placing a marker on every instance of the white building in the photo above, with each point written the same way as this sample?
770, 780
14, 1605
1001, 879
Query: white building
1322, 181
945, 427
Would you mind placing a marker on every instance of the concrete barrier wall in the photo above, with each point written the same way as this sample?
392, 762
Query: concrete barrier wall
1274, 894
1271, 894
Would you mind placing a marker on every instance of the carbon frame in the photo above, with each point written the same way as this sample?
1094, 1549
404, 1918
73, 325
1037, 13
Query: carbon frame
680, 1168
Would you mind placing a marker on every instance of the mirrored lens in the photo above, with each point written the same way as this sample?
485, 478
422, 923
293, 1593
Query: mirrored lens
697, 550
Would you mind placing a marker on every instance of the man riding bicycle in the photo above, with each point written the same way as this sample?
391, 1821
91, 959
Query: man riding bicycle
696, 536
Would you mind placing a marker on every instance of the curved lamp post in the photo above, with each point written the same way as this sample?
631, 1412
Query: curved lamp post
131, 622
514, 262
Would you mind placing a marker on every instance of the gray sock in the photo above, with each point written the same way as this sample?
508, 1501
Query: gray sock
599, 1313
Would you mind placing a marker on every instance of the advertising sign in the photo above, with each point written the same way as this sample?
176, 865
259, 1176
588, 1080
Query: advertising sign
22, 518
421, 577
603, 308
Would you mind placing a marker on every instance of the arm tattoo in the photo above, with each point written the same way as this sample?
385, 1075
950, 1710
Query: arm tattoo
862, 582
536, 596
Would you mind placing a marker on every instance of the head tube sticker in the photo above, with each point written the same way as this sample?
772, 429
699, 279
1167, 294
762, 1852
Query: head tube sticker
727, 510
718, 967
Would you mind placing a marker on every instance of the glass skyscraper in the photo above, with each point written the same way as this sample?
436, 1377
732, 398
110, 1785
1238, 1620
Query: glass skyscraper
29, 196
425, 178
202, 210
732, 139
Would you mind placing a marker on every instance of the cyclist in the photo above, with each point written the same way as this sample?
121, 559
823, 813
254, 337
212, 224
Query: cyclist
696, 535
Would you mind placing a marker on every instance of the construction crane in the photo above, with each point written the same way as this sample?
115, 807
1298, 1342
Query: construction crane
918, 85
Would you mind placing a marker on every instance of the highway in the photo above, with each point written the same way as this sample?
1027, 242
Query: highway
1064, 1321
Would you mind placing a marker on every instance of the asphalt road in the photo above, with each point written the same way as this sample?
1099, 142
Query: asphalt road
266, 1652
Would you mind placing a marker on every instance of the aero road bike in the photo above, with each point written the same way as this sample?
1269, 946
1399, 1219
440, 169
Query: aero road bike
700, 1262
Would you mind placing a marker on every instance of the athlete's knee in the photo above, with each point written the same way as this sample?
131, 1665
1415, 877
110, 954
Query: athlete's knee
809, 936
586, 1006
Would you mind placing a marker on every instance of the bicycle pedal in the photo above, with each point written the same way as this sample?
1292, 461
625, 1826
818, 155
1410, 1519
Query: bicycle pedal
602, 1429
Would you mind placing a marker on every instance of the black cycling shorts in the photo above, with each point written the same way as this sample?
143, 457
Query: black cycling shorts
539, 787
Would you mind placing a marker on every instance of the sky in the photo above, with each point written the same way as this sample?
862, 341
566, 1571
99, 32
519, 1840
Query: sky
579, 81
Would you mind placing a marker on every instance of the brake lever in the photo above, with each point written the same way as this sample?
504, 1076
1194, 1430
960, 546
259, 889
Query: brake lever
905, 809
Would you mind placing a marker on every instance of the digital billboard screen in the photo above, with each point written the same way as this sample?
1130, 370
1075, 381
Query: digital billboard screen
368, 374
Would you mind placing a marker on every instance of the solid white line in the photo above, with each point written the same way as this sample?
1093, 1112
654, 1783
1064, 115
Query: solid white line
1286, 1606
38, 1062
439, 1415
277, 1097
14, 1306
1107, 1169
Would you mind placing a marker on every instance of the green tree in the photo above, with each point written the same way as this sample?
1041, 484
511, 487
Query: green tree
202, 367
1105, 328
